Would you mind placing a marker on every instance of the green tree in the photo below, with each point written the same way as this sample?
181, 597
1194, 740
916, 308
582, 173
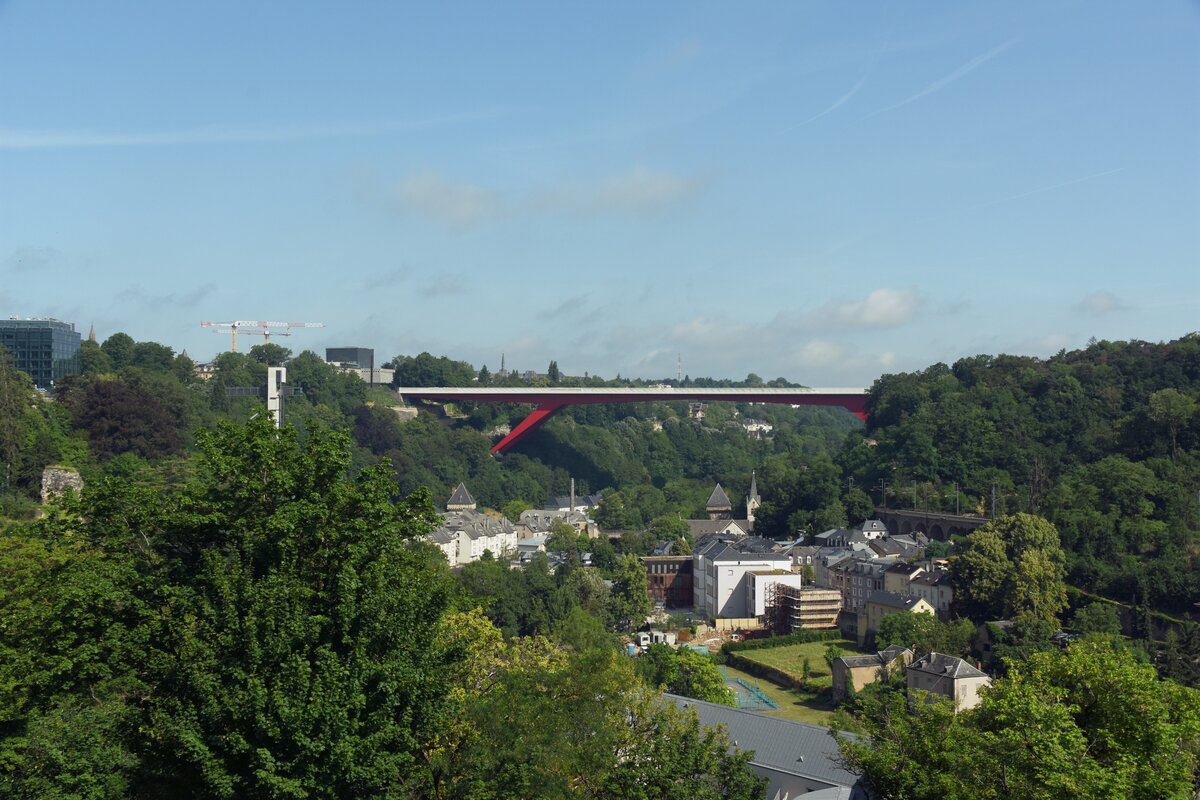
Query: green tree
1060, 724
1096, 617
92, 359
1039, 593
271, 354
1173, 410
979, 575
699, 677
552, 372
119, 348
629, 602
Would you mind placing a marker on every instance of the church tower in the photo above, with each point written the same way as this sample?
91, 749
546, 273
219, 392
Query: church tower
753, 501
461, 500
718, 505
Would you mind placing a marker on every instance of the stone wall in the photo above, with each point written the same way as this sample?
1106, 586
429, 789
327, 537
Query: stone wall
56, 480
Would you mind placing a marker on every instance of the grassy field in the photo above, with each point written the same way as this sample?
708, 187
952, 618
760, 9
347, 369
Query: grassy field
812, 704
812, 707
790, 658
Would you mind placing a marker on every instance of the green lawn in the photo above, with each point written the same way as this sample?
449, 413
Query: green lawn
790, 658
812, 705
799, 706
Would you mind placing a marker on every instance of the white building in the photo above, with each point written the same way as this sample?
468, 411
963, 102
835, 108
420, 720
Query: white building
720, 577
759, 583
466, 534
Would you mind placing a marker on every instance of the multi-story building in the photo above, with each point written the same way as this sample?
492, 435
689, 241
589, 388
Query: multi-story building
46, 349
669, 580
719, 574
856, 578
466, 534
882, 604
807, 608
934, 588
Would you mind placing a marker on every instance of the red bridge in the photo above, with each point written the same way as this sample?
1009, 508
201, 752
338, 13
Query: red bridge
549, 401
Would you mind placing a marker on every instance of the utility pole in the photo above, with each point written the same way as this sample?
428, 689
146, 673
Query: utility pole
914, 495
956, 511
883, 494
993, 501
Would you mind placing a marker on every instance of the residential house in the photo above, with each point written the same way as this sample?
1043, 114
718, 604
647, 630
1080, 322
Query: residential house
949, 677
535, 522
882, 604
466, 534
856, 578
853, 673
935, 589
897, 577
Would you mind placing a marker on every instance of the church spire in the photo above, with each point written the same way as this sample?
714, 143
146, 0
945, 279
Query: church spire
92, 332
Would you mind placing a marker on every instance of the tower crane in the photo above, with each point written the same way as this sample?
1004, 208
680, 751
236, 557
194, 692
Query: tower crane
262, 329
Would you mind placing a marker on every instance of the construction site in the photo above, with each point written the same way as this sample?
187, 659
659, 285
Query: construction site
793, 608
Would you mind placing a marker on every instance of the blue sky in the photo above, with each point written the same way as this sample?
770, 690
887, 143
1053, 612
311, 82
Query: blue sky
822, 191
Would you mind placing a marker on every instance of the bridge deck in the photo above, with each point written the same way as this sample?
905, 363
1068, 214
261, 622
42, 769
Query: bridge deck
549, 400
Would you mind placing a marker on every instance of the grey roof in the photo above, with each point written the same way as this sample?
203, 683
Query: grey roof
778, 744
933, 579
718, 499
873, 525
730, 552
755, 544
902, 568
886, 547
943, 665
703, 527
474, 524
564, 501
891, 599
461, 497
885, 656
890, 653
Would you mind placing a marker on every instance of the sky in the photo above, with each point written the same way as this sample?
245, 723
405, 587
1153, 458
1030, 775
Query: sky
825, 192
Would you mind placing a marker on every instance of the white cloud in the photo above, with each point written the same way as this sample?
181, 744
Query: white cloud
445, 285
187, 299
25, 139
638, 191
1099, 303
881, 308
455, 204
33, 259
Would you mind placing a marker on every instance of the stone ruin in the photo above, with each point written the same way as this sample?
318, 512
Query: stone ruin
56, 481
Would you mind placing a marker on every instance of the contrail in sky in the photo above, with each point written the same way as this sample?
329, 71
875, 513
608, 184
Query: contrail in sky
942, 83
853, 90
17, 139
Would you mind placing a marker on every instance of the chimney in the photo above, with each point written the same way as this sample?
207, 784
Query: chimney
572, 495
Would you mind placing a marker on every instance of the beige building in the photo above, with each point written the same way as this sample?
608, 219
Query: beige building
856, 672
897, 577
947, 676
934, 588
881, 604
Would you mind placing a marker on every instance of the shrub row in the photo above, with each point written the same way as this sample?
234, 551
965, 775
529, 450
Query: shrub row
800, 637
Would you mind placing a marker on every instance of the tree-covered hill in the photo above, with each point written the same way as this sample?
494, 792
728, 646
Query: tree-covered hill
1104, 442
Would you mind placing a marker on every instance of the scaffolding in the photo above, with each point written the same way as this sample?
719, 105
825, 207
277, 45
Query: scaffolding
791, 608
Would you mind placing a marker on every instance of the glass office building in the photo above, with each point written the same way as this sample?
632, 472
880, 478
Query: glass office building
47, 349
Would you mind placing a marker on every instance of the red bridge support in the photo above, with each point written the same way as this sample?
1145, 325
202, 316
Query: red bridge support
531, 423
550, 400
